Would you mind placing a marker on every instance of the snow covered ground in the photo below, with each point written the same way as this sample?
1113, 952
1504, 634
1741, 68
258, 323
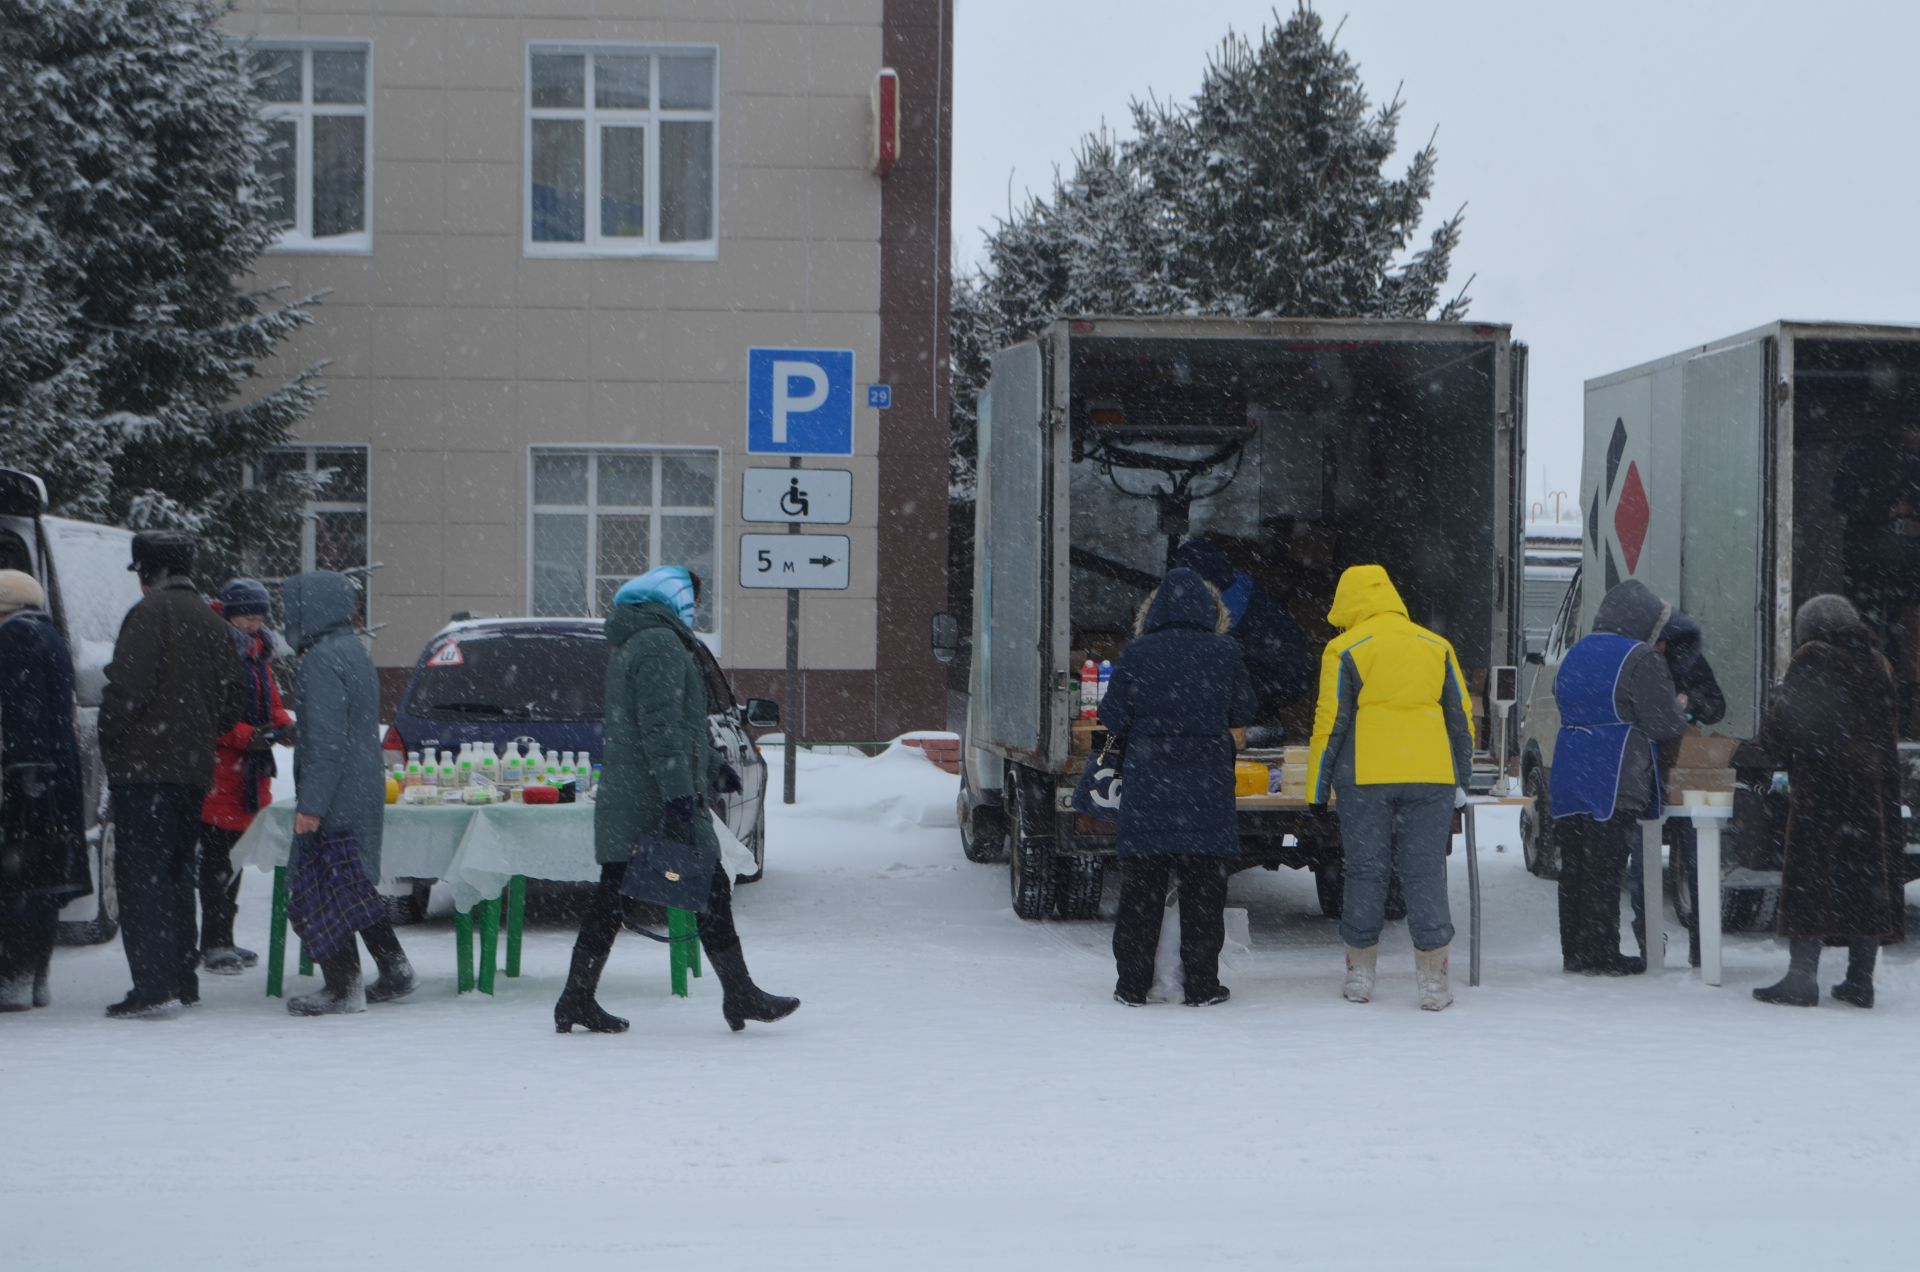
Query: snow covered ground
959, 1091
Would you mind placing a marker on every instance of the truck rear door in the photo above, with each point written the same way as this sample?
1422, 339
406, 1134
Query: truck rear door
1018, 556
1723, 541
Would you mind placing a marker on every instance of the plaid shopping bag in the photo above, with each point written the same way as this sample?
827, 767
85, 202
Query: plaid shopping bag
330, 897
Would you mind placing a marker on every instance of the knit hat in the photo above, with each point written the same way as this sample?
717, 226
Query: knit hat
1824, 617
240, 597
1209, 562
20, 591
159, 553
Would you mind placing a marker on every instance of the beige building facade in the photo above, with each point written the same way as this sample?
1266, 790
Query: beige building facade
548, 233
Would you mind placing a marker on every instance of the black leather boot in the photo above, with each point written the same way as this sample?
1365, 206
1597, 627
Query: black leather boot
743, 1000
1857, 988
1800, 987
341, 993
577, 1005
396, 972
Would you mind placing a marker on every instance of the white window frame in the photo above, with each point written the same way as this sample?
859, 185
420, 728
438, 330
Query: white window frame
592, 118
712, 584
299, 237
309, 546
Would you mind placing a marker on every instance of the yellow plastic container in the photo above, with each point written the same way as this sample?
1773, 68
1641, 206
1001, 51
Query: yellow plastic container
1249, 778
393, 791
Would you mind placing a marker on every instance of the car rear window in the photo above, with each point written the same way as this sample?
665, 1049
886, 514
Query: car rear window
530, 676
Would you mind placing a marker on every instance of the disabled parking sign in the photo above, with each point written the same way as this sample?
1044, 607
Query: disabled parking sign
799, 401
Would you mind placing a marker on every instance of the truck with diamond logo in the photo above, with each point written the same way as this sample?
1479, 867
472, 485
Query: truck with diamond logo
1737, 479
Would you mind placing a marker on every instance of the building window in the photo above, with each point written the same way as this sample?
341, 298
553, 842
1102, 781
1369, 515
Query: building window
621, 150
334, 534
600, 517
314, 98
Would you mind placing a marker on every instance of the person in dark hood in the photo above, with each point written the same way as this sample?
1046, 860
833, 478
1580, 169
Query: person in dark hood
173, 688
1274, 647
1832, 727
1683, 644
659, 770
43, 841
1617, 706
339, 781
1178, 689
242, 776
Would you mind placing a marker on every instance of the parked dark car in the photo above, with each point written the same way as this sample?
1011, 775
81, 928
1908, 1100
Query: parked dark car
543, 680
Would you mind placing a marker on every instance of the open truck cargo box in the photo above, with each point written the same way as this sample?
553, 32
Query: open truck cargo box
1297, 447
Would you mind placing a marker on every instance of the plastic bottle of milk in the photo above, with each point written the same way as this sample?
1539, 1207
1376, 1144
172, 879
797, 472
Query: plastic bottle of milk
489, 764
414, 777
430, 768
511, 772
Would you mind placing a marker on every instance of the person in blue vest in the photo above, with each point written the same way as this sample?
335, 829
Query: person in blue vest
1617, 705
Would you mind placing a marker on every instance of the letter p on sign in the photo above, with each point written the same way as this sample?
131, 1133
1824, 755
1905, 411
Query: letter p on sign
800, 401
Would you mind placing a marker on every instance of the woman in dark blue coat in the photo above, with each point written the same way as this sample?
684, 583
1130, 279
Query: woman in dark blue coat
1178, 688
43, 848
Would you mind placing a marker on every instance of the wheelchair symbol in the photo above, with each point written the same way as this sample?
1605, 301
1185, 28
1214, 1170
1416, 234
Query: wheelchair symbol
794, 502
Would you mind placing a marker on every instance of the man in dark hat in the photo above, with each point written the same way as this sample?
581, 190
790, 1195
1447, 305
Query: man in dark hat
174, 686
1273, 645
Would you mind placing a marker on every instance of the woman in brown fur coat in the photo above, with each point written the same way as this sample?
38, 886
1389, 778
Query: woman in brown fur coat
1832, 727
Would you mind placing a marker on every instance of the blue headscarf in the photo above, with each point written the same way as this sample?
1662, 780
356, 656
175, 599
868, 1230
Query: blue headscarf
669, 585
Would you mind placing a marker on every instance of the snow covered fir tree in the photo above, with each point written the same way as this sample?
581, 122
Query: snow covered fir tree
130, 219
1266, 195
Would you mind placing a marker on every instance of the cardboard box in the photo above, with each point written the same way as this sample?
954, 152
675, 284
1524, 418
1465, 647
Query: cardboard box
1697, 779
1700, 752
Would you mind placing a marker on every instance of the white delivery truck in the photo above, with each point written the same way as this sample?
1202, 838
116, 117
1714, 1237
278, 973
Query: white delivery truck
1297, 446
1737, 479
83, 568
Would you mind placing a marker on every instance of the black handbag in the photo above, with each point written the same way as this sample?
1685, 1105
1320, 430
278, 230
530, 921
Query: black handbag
1097, 793
669, 873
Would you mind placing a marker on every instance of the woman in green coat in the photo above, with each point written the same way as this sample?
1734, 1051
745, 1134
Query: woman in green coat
658, 767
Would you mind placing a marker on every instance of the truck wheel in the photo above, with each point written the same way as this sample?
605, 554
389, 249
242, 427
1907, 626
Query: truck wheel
983, 828
1078, 886
105, 924
1330, 882
1536, 827
1030, 872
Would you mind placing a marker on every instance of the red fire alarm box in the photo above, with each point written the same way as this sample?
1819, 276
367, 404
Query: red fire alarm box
886, 120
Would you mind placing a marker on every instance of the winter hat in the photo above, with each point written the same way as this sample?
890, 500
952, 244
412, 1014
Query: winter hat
240, 597
1209, 562
20, 591
1823, 618
160, 553
669, 585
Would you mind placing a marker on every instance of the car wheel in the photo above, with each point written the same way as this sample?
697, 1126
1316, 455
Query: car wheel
983, 835
105, 924
757, 841
1030, 874
1536, 827
1330, 886
1078, 886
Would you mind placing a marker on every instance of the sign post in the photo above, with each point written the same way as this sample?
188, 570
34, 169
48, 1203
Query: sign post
799, 402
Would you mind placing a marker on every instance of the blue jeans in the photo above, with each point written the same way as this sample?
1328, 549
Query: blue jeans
1418, 817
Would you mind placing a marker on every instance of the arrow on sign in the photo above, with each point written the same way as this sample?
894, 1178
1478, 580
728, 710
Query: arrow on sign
820, 560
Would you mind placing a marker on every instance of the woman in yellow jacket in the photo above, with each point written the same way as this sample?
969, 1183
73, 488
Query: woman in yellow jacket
1393, 740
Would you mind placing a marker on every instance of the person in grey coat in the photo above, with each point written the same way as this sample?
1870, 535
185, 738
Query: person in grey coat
1617, 706
339, 783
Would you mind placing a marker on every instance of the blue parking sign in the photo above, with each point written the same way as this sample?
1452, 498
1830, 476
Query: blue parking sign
799, 401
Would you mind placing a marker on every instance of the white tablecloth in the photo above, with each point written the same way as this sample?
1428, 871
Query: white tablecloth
475, 849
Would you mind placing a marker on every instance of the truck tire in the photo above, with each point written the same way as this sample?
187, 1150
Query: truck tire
1330, 884
1078, 887
105, 924
1030, 859
1536, 827
983, 829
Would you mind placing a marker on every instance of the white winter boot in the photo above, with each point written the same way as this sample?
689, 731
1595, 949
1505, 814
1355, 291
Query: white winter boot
1430, 968
1358, 987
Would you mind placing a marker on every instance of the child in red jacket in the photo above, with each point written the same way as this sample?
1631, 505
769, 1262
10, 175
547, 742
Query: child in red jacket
242, 777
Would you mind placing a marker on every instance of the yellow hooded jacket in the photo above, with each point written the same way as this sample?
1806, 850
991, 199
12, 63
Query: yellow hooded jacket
1393, 703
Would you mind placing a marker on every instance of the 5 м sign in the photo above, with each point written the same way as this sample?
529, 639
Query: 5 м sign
813, 561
